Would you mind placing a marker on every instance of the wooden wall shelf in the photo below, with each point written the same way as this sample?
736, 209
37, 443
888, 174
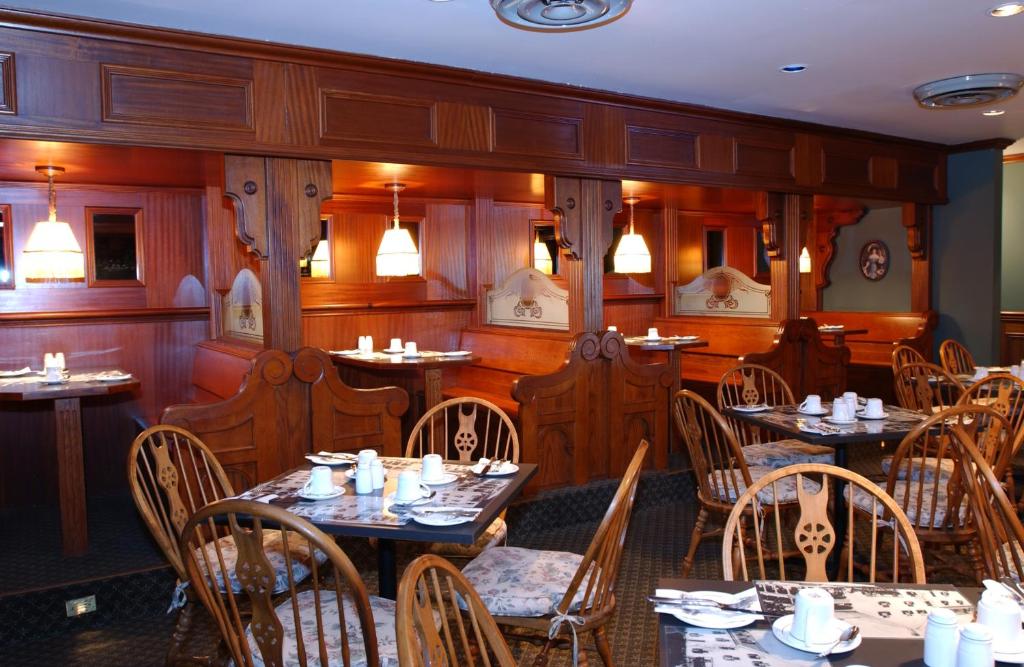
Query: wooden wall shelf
104, 316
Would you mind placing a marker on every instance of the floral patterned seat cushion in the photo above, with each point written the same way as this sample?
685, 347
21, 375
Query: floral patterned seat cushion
513, 581
383, 621
909, 498
786, 485
782, 453
494, 536
273, 548
945, 467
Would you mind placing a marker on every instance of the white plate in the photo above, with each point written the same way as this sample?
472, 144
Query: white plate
751, 408
60, 381
685, 338
328, 461
456, 353
652, 340
15, 374
831, 327
338, 491
819, 413
712, 618
781, 626
114, 377
447, 478
390, 351
345, 353
390, 500
832, 420
440, 519
864, 415
506, 469
412, 356
1016, 658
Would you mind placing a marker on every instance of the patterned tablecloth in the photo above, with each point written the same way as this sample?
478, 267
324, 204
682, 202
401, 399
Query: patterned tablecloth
36, 377
788, 417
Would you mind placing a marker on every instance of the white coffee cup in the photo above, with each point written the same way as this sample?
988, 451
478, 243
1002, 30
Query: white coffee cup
366, 457
841, 410
410, 349
409, 487
811, 404
396, 344
58, 359
612, 327
54, 374
851, 398
975, 647
1001, 614
364, 479
874, 408
653, 333
432, 468
812, 617
980, 372
377, 473
320, 483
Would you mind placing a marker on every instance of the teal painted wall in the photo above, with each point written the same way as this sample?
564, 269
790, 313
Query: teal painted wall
849, 289
1013, 236
966, 266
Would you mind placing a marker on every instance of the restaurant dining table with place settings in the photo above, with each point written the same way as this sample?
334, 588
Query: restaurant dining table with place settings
474, 502
839, 334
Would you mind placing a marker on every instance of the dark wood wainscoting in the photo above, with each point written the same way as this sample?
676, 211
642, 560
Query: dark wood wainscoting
1012, 337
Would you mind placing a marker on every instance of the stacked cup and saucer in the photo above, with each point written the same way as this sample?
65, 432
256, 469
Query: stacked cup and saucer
432, 471
813, 626
873, 409
844, 409
320, 485
812, 406
410, 491
1002, 615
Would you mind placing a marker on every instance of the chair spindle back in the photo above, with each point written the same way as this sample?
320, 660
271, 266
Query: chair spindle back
956, 358
926, 388
748, 385
465, 429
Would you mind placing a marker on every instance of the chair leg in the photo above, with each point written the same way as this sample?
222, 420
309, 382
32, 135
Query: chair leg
182, 627
583, 661
603, 649
542, 658
698, 532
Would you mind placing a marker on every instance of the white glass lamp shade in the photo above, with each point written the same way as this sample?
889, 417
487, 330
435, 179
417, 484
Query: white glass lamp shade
52, 254
632, 255
320, 262
805, 261
542, 258
397, 255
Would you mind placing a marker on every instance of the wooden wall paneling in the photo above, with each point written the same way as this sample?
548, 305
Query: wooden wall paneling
430, 329
633, 316
444, 251
510, 239
1012, 345
781, 216
917, 218
173, 248
890, 171
689, 251
8, 87
285, 103
671, 252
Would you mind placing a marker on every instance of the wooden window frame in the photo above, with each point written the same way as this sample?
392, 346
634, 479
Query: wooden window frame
140, 274
329, 278
8, 245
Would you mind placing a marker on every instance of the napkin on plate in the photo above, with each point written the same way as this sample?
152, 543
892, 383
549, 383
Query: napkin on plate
747, 599
13, 374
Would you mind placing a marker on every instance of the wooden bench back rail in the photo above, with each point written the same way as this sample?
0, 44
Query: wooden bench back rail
289, 406
219, 368
728, 338
885, 330
804, 360
583, 421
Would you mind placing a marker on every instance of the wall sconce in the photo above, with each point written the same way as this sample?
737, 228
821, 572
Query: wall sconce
805, 261
51, 253
320, 262
632, 255
397, 255
542, 256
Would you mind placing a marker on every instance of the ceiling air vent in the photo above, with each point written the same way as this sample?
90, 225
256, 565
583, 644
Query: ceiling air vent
970, 90
559, 15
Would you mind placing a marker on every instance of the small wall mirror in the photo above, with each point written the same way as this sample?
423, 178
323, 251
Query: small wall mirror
714, 247
6, 248
544, 253
114, 246
318, 265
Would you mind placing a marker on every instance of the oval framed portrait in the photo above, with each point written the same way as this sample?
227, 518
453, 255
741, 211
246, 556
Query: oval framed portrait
874, 260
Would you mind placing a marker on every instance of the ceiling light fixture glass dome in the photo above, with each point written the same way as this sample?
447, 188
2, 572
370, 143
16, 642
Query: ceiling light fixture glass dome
559, 15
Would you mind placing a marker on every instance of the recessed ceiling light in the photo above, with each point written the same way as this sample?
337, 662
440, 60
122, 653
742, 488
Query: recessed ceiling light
793, 68
993, 112
1007, 9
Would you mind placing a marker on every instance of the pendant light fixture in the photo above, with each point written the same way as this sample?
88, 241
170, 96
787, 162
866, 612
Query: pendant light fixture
320, 262
542, 256
52, 254
632, 255
397, 255
805, 261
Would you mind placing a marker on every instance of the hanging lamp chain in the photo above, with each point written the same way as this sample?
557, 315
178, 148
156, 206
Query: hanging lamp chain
632, 202
394, 192
52, 199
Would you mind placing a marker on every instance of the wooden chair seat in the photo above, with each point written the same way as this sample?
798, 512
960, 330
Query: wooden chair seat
730, 490
297, 558
927, 504
513, 581
788, 452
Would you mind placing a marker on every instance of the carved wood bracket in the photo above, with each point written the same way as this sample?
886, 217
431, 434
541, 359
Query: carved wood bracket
917, 219
564, 198
245, 184
827, 224
770, 213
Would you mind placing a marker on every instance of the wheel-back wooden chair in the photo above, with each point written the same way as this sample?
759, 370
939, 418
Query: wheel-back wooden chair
555, 596
904, 354
956, 358
750, 385
814, 534
926, 388
719, 464
467, 429
1000, 533
442, 621
1004, 393
924, 481
329, 621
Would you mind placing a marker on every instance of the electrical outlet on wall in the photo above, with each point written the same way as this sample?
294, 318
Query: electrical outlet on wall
80, 606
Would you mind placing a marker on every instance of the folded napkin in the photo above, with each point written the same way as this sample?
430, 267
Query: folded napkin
344, 353
747, 599
14, 374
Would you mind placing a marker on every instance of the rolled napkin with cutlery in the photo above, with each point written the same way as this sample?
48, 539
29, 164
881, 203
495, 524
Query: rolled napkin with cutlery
667, 600
471, 512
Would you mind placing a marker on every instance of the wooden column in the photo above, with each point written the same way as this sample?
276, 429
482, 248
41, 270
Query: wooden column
670, 252
584, 209
781, 216
917, 218
277, 207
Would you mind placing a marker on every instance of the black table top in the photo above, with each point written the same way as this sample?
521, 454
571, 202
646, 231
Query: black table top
786, 419
491, 494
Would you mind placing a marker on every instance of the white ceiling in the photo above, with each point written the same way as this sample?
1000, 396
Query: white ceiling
864, 56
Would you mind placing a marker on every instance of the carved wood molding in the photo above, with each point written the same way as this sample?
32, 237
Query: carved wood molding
564, 198
827, 224
917, 219
770, 209
8, 93
245, 184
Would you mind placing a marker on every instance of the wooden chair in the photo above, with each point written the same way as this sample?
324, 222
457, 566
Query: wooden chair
1005, 394
1000, 533
923, 480
926, 388
561, 594
751, 384
442, 621
814, 535
904, 354
466, 429
331, 621
718, 462
956, 358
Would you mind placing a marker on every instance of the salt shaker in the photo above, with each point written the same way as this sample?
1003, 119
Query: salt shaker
975, 648
941, 636
364, 479
377, 473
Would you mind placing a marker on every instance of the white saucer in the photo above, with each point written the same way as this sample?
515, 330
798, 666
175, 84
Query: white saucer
652, 340
713, 618
391, 500
447, 478
328, 461
781, 626
416, 355
505, 469
1016, 657
752, 408
439, 519
118, 377
344, 353
832, 420
685, 338
864, 415
456, 353
390, 351
338, 491
819, 413
60, 381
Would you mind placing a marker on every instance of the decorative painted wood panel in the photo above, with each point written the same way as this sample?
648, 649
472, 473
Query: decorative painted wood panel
529, 299
724, 292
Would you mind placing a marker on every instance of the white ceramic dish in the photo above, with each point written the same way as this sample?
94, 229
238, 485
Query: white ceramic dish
16, 374
440, 519
60, 381
818, 413
505, 469
781, 626
114, 377
752, 408
1014, 658
328, 460
391, 351
863, 415
338, 491
416, 355
712, 618
345, 353
456, 353
391, 500
685, 338
652, 340
832, 420
446, 478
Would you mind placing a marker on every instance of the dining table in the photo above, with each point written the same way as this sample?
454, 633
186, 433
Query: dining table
888, 637
377, 515
66, 398
839, 334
